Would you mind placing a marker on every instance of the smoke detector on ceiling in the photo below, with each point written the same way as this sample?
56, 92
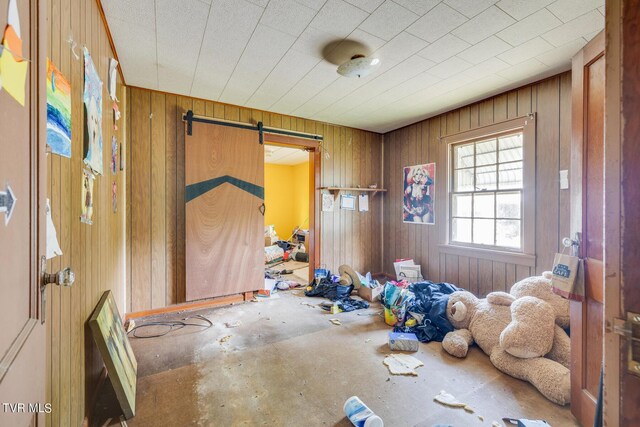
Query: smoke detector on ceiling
358, 66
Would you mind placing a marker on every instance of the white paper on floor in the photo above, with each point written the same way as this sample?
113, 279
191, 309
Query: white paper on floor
402, 364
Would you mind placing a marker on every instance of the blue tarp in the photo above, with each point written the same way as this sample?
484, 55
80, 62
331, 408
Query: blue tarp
430, 303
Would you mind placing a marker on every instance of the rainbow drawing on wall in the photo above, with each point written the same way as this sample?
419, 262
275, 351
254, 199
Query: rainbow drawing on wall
58, 111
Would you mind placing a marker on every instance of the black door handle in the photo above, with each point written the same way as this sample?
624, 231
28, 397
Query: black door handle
262, 209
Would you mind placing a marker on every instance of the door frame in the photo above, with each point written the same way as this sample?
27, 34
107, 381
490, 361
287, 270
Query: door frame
313, 147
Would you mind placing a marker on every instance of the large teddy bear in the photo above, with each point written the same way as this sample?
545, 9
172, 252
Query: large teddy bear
522, 333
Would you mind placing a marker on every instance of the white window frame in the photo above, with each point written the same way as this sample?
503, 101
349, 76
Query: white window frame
526, 254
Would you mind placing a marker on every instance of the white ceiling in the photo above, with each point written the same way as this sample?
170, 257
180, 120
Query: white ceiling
267, 54
284, 156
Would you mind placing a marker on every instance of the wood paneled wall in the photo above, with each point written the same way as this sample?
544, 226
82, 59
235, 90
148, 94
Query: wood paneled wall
94, 252
419, 143
155, 215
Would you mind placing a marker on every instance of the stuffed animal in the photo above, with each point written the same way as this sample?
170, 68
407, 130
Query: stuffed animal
518, 331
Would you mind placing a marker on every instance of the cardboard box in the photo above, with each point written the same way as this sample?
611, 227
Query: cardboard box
370, 294
403, 342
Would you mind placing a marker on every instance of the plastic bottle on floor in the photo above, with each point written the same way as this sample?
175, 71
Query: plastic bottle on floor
360, 415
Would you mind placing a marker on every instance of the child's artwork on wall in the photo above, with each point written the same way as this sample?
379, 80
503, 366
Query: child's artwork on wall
111, 339
58, 111
419, 194
93, 110
114, 196
13, 65
114, 155
87, 197
348, 202
327, 202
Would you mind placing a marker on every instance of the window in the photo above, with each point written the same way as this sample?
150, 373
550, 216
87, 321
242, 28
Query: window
491, 187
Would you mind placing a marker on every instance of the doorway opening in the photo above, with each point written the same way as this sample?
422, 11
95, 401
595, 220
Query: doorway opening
289, 217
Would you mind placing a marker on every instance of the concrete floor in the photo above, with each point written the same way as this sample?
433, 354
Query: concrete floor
287, 365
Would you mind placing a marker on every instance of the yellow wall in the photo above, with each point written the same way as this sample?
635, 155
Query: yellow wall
286, 191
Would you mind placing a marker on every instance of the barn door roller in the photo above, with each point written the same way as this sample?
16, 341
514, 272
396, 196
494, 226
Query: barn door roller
189, 117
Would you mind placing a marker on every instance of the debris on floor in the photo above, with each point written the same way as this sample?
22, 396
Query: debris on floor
448, 400
524, 422
308, 304
403, 342
360, 414
224, 339
335, 321
233, 324
402, 364
329, 286
496, 424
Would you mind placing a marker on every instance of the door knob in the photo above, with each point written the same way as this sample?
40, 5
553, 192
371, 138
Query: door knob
64, 277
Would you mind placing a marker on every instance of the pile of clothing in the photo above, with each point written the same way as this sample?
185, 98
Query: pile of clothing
330, 288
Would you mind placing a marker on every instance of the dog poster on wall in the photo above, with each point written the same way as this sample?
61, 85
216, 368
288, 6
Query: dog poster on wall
419, 194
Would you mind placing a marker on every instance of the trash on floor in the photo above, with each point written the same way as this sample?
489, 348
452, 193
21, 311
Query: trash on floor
525, 423
224, 339
448, 400
403, 342
426, 312
335, 321
402, 364
233, 324
329, 287
396, 298
360, 415
496, 424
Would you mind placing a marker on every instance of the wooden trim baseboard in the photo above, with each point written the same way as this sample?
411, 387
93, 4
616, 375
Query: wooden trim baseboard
189, 306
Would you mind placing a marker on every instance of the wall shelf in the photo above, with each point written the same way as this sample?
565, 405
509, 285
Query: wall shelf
336, 190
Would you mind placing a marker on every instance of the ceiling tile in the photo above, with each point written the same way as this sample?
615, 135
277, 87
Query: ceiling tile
579, 27
563, 54
487, 48
293, 67
262, 53
483, 25
486, 68
338, 18
436, 23
139, 61
312, 41
450, 67
313, 4
526, 50
444, 48
287, 16
530, 27
180, 30
388, 20
520, 9
418, 6
141, 13
470, 8
568, 10
523, 70
366, 5
230, 25
400, 48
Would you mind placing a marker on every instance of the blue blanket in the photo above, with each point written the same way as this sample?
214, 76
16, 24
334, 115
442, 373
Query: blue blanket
430, 303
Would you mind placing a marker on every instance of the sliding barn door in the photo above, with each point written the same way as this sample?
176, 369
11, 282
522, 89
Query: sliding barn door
224, 195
